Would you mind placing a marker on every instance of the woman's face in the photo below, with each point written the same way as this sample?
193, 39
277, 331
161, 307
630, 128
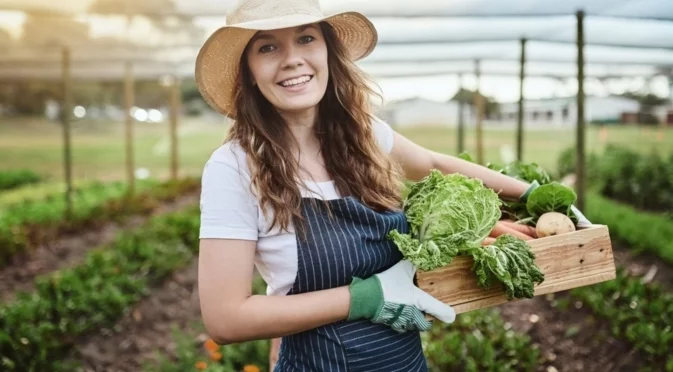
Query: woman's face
290, 67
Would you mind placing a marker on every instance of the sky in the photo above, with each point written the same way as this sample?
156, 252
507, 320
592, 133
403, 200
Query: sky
441, 87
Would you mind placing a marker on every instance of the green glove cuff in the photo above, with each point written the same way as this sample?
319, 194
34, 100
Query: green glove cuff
366, 298
524, 197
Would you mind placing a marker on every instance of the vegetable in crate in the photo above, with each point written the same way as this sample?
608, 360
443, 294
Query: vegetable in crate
451, 215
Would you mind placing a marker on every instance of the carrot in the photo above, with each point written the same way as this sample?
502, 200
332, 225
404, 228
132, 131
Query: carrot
488, 241
501, 229
528, 230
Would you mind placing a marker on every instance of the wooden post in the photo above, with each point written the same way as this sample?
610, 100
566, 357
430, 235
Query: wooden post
461, 120
519, 127
479, 107
66, 111
580, 183
175, 98
128, 104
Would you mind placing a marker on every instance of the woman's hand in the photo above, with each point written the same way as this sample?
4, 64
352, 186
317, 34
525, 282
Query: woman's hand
391, 298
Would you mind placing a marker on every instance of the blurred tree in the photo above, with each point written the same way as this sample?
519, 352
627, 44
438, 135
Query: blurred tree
467, 96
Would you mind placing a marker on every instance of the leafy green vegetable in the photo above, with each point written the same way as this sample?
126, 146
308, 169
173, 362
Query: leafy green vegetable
509, 261
528, 172
447, 215
552, 197
451, 215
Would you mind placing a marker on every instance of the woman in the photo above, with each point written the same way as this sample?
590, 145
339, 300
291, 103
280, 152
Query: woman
305, 189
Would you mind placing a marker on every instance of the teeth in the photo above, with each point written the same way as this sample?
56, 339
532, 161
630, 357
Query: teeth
297, 81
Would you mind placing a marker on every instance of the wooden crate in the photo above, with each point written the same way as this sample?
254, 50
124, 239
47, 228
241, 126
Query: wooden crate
571, 260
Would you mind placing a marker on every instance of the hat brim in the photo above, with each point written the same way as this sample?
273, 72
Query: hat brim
217, 64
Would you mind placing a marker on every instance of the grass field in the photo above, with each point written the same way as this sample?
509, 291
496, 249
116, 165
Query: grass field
98, 149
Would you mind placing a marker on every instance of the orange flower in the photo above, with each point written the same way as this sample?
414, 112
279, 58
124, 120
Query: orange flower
251, 368
201, 365
211, 345
214, 355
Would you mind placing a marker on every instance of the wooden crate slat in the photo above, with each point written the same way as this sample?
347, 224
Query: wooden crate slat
568, 261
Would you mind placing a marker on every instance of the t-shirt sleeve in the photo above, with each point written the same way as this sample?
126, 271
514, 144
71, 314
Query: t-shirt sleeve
228, 208
384, 135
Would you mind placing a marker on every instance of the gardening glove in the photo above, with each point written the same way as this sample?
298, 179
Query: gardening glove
392, 299
582, 221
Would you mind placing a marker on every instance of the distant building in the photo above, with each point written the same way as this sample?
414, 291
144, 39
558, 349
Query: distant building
562, 112
664, 114
423, 112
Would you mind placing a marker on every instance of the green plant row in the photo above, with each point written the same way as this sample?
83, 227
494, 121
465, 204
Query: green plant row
28, 224
252, 356
642, 231
476, 341
13, 178
479, 341
638, 312
42, 191
38, 329
642, 180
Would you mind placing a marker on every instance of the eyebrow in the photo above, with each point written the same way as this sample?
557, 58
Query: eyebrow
263, 36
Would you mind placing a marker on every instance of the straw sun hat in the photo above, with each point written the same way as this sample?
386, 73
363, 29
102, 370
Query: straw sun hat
217, 64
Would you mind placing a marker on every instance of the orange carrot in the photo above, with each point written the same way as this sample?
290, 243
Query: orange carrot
488, 241
525, 229
501, 229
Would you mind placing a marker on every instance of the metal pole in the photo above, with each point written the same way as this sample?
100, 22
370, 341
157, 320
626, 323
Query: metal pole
128, 104
175, 98
461, 120
479, 106
519, 127
581, 170
66, 109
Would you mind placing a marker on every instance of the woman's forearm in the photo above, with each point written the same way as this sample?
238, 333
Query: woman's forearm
508, 187
266, 317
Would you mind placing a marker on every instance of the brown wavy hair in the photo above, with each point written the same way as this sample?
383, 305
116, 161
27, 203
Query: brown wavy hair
343, 128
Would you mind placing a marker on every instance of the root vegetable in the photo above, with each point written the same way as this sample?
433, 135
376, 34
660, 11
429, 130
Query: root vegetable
525, 229
501, 229
553, 223
488, 241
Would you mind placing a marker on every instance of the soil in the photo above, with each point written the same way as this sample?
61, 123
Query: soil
573, 339
70, 250
146, 331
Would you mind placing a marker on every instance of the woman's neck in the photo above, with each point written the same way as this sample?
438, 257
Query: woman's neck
301, 124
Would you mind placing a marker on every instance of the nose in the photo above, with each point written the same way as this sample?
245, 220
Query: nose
292, 57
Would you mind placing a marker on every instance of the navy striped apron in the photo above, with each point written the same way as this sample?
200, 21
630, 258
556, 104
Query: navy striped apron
350, 241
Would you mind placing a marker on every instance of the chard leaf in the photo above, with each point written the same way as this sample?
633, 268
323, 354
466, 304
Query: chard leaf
552, 197
509, 261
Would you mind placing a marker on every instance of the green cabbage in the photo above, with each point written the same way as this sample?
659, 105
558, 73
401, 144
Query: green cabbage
451, 215
448, 215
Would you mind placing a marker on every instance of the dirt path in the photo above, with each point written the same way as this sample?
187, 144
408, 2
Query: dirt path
70, 250
573, 338
570, 339
147, 329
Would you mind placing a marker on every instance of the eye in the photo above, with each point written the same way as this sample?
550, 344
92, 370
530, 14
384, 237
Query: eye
267, 48
306, 39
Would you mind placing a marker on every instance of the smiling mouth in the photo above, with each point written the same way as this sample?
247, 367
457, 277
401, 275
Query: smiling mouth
296, 81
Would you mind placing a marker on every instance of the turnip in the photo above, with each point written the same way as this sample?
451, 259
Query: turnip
553, 223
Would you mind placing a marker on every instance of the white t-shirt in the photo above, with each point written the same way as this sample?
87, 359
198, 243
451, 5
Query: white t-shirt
229, 210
